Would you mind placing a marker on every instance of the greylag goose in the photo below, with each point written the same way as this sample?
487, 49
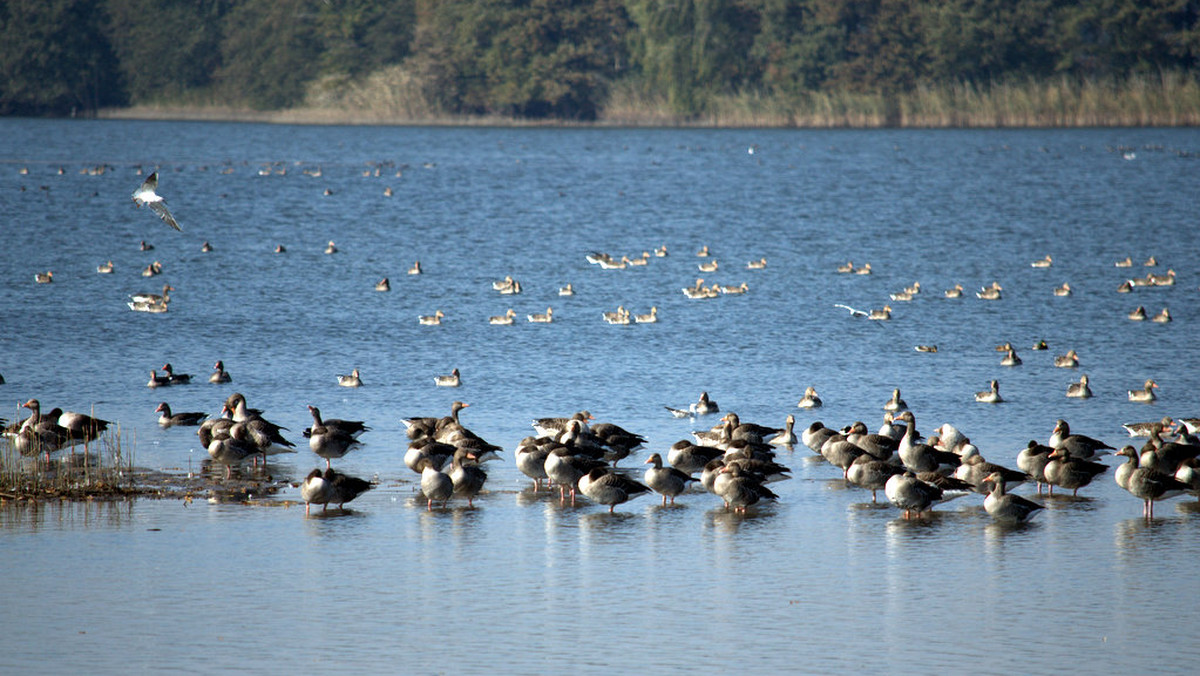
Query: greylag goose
878, 446
703, 251
433, 319
704, 405
352, 380
815, 436
920, 457
505, 319
1151, 262
740, 490
206, 248
992, 292
1033, 460
871, 474
975, 470
435, 484
1042, 262
647, 318
668, 482
895, 404
1146, 394
607, 487
1126, 262
143, 245
354, 428
661, 252
1079, 390
541, 317
383, 285
331, 248
1079, 445
1069, 472
452, 380
143, 298
1162, 317
690, 458
735, 290
428, 448
531, 458
328, 442
758, 264
786, 437
566, 465
167, 419
1064, 290
415, 269
1069, 360
147, 195
864, 270
219, 374
620, 316
1145, 429
157, 380
1138, 315
466, 476
909, 493
1125, 286
105, 268
1011, 358
315, 489
567, 290
1006, 506
846, 268
153, 269
1149, 485
810, 398
990, 396
176, 378
955, 292
231, 449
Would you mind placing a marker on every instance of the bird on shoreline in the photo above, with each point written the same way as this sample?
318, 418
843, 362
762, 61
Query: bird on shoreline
147, 195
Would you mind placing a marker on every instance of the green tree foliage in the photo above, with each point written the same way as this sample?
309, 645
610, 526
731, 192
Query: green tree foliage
55, 58
538, 58
166, 47
557, 58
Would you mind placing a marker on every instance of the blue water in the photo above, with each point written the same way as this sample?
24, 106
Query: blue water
820, 581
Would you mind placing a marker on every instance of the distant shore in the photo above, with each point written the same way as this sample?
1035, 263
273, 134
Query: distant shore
1170, 100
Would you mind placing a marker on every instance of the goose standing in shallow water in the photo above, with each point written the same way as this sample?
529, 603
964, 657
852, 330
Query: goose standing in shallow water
352, 380
668, 482
315, 489
1006, 506
990, 396
1146, 394
452, 380
1069, 472
1079, 390
436, 485
328, 442
1147, 484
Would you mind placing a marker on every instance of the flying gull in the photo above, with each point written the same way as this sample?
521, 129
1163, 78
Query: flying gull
146, 195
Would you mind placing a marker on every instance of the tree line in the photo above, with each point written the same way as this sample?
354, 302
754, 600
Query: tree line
560, 59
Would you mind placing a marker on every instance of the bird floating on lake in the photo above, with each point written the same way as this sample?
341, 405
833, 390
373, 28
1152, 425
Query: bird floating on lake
146, 195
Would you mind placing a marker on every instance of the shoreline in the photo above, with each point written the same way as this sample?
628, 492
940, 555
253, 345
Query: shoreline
343, 117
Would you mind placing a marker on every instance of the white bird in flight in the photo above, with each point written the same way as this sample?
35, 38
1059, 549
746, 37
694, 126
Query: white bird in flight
145, 195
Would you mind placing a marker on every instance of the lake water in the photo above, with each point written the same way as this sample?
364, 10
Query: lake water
820, 581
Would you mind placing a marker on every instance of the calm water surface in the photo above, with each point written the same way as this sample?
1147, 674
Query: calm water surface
822, 580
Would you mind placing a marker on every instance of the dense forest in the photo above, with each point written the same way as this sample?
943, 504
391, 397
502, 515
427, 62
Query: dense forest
574, 59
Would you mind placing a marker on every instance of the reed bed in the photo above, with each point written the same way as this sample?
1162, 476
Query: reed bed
104, 469
394, 96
